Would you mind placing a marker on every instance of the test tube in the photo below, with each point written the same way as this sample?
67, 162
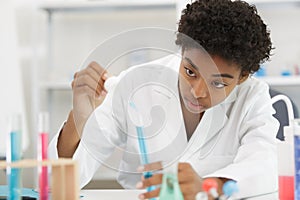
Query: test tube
43, 129
141, 140
14, 154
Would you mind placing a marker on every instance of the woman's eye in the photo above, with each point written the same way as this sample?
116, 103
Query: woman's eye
218, 84
190, 72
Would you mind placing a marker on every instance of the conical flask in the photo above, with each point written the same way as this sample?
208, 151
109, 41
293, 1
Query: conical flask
170, 188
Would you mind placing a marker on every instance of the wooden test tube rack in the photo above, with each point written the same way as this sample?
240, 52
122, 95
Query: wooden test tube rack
64, 176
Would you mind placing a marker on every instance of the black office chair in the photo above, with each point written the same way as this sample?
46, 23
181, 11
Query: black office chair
281, 113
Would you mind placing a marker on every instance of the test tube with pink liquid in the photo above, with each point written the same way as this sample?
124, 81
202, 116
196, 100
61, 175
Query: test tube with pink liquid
43, 129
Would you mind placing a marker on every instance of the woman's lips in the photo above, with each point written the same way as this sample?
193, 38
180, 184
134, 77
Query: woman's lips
195, 106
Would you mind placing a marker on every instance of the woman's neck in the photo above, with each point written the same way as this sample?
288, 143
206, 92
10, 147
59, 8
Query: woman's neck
191, 120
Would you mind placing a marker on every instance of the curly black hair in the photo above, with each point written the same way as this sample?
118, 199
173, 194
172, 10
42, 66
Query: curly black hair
230, 29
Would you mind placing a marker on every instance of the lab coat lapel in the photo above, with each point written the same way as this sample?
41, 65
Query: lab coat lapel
215, 120
212, 122
217, 116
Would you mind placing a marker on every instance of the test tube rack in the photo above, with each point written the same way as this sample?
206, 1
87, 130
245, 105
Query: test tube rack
64, 176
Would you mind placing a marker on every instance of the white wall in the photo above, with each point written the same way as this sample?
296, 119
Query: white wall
283, 22
12, 99
11, 96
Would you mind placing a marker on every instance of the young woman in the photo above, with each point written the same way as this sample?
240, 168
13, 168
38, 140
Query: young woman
201, 108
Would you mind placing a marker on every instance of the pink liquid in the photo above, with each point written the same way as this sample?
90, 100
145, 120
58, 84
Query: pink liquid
286, 187
43, 179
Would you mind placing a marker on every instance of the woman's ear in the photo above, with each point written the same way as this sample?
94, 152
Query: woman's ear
243, 77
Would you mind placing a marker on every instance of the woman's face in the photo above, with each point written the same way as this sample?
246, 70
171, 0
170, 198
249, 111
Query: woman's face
205, 81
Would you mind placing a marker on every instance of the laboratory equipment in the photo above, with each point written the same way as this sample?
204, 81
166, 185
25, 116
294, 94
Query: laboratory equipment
64, 178
14, 153
43, 123
286, 161
229, 188
210, 186
170, 188
111, 83
201, 196
138, 121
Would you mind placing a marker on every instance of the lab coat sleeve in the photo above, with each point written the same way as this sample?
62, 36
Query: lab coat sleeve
52, 147
101, 134
88, 165
100, 137
255, 165
104, 130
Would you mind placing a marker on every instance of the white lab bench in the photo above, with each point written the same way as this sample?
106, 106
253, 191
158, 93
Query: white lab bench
133, 194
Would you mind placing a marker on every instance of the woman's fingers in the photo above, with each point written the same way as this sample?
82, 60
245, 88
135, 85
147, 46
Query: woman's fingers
185, 172
97, 68
155, 166
85, 84
151, 194
90, 80
155, 179
98, 72
190, 182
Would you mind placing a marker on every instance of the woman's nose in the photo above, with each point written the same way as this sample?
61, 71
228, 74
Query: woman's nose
199, 89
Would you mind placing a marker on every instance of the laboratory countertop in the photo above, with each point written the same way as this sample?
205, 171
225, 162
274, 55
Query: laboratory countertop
133, 195
110, 194
116, 194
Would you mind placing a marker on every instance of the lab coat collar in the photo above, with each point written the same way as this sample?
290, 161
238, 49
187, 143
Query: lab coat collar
232, 96
211, 123
217, 116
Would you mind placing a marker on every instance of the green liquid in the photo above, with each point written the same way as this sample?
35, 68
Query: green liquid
170, 188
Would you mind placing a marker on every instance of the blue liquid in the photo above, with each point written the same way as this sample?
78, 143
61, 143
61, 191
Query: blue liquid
15, 184
144, 155
297, 167
14, 178
142, 145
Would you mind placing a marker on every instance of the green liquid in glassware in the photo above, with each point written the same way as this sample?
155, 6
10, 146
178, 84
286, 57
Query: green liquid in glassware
170, 189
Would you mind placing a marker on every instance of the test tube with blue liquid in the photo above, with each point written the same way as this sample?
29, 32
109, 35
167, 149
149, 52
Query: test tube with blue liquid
14, 153
141, 140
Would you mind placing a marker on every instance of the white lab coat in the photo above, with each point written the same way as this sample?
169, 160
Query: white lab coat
235, 139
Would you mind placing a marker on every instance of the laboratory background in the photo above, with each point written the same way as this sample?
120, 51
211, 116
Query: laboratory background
43, 43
